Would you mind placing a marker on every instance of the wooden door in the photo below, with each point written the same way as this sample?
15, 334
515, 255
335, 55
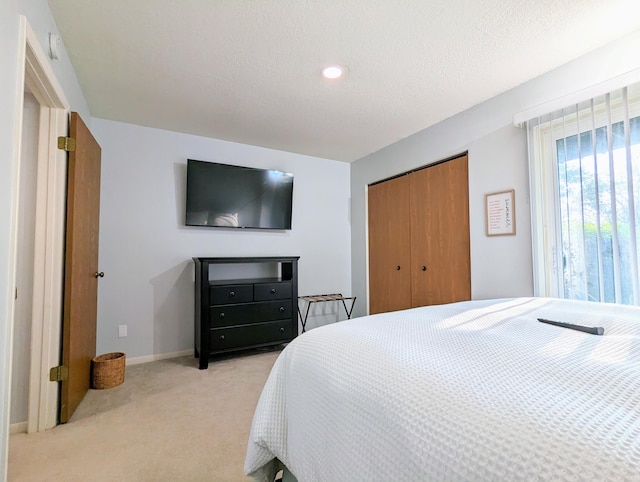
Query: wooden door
441, 267
389, 253
81, 266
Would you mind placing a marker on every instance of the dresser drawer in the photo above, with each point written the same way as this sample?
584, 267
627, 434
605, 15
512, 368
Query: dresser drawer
247, 313
273, 310
229, 315
271, 291
251, 335
224, 294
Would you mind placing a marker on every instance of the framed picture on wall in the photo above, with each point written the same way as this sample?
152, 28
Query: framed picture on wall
500, 213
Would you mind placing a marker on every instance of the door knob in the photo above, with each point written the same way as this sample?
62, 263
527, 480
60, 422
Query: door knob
100, 274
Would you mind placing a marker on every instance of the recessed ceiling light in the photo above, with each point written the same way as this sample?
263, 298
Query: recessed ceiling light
332, 72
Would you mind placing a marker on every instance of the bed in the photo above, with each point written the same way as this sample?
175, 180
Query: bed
470, 391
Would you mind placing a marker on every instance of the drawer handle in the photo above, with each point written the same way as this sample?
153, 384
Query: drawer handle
221, 315
222, 337
424, 268
282, 330
232, 293
273, 290
398, 267
281, 309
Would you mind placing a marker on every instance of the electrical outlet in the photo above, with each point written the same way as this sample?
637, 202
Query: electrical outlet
122, 331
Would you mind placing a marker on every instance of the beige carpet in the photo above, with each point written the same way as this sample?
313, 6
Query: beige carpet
169, 421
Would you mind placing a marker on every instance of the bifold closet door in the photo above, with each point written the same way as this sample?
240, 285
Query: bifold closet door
440, 256
389, 250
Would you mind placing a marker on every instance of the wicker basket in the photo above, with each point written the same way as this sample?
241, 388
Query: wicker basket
107, 371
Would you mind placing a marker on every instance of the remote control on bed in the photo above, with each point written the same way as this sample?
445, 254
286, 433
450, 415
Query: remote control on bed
594, 330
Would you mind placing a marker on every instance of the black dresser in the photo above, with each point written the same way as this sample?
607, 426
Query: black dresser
237, 314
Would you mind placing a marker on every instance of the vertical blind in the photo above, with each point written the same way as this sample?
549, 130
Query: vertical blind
585, 186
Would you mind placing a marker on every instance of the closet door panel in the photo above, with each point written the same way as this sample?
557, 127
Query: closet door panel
441, 269
389, 251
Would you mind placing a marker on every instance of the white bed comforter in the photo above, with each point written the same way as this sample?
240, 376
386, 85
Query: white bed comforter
469, 391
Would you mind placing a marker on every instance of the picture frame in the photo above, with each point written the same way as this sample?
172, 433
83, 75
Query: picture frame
500, 213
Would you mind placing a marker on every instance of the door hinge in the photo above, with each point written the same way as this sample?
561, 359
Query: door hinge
59, 373
67, 144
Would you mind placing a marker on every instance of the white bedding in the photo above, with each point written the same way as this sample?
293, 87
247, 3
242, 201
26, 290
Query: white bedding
470, 391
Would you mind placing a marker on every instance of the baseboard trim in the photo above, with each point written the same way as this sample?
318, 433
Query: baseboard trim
20, 427
162, 356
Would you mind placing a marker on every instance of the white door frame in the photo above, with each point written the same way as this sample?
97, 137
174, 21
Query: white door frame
46, 326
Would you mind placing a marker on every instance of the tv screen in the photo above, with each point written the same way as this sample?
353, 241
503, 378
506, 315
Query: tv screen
221, 195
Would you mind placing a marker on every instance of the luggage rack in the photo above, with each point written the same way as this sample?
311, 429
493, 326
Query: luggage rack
321, 299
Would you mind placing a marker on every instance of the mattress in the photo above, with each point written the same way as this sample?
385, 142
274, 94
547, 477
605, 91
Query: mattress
469, 391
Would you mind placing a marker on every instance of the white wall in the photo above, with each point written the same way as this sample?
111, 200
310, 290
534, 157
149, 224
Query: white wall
42, 22
146, 251
500, 266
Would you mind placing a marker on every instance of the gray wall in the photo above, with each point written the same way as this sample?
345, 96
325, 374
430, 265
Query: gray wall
24, 261
500, 266
146, 251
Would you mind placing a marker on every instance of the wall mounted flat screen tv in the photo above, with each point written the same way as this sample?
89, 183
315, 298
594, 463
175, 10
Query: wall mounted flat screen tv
222, 195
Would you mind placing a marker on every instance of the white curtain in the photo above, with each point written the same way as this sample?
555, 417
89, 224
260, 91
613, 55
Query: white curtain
584, 163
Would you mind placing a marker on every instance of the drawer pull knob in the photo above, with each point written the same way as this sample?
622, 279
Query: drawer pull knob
273, 290
232, 293
222, 337
282, 330
221, 315
398, 267
281, 309
424, 268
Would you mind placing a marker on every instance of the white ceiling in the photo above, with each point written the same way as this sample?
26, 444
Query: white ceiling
249, 70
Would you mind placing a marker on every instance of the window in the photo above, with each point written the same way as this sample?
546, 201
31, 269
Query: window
585, 185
